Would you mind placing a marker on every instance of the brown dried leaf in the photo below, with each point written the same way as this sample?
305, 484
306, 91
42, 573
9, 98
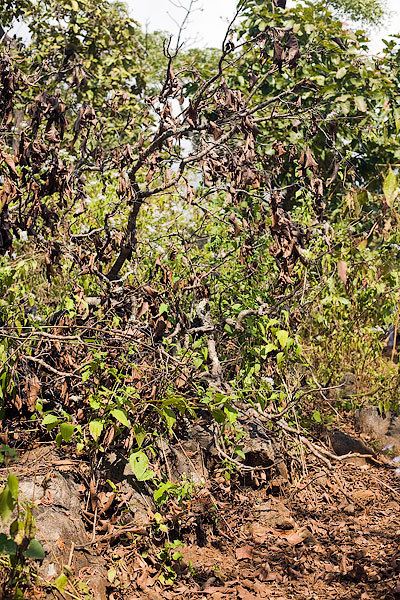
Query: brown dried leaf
342, 270
52, 134
32, 389
293, 49
244, 552
307, 160
278, 55
9, 162
245, 594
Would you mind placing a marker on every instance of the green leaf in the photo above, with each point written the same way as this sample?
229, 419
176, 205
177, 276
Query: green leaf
140, 434
169, 416
163, 308
231, 413
12, 484
269, 348
35, 551
74, 5
390, 188
219, 415
361, 104
7, 545
61, 582
50, 421
95, 428
139, 464
161, 493
7, 504
67, 431
120, 415
282, 336
317, 416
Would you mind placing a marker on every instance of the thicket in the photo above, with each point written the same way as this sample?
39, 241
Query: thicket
189, 234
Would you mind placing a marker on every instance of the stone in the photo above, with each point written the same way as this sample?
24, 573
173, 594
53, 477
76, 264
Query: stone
383, 428
59, 525
274, 513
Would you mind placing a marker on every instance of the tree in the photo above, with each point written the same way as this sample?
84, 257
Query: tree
370, 12
166, 260
271, 157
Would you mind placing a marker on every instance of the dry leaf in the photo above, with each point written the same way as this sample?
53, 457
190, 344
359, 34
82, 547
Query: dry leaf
32, 389
342, 270
244, 552
245, 594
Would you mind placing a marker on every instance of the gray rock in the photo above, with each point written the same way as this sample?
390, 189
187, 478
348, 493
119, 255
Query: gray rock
59, 525
383, 428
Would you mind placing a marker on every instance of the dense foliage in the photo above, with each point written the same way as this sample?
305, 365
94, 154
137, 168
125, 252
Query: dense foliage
192, 234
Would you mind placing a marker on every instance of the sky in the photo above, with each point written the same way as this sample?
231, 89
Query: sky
208, 23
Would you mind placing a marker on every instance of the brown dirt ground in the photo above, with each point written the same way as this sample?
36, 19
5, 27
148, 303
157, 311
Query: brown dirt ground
345, 544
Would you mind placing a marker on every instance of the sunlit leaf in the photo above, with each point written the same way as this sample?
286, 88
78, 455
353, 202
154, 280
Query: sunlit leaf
95, 428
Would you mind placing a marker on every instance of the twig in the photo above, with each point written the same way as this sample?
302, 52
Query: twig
47, 366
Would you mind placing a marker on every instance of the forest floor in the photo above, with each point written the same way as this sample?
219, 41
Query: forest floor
328, 533
343, 543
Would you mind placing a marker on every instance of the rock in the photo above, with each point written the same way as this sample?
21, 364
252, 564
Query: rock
263, 450
343, 444
59, 525
383, 428
184, 460
140, 508
371, 422
274, 513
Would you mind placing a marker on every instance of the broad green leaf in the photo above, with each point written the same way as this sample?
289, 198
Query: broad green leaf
161, 493
7, 545
35, 551
12, 483
74, 5
163, 308
7, 504
231, 413
390, 188
140, 434
61, 582
169, 416
269, 348
50, 420
120, 416
95, 428
139, 464
282, 336
317, 416
219, 415
67, 431
361, 103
